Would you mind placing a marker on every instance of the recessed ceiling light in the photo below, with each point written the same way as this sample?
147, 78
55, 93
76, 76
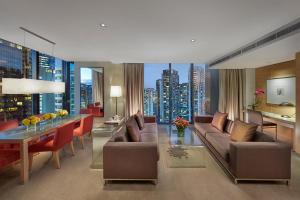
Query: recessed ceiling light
193, 40
103, 25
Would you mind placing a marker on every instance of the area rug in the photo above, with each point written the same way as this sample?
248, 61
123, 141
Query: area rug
184, 157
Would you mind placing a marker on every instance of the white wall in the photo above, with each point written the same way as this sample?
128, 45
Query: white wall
113, 75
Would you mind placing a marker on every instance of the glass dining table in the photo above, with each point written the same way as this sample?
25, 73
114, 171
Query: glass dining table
22, 136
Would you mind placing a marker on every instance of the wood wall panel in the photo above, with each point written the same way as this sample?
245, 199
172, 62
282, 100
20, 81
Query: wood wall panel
297, 132
279, 70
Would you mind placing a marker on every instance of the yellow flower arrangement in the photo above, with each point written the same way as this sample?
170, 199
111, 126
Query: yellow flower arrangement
48, 116
31, 120
62, 113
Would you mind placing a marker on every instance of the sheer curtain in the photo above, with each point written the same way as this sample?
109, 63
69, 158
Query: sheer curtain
97, 87
232, 92
134, 88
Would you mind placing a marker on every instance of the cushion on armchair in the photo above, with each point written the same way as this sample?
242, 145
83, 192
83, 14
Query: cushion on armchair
243, 132
219, 120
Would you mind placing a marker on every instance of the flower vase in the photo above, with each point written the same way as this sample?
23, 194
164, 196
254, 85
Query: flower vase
27, 128
35, 127
180, 131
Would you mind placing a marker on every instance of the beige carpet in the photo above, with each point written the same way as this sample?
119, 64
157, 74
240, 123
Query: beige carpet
76, 181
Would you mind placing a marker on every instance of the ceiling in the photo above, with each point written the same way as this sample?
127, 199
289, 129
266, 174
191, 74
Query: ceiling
155, 31
280, 51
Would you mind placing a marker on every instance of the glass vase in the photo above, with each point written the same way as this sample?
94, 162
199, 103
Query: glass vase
180, 131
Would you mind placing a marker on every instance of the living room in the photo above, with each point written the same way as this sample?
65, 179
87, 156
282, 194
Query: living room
149, 99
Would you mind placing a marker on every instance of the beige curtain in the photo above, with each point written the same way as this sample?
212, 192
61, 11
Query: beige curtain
97, 87
232, 92
134, 88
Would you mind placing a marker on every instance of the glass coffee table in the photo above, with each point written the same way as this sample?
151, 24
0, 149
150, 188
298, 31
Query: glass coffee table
184, 151
101, 134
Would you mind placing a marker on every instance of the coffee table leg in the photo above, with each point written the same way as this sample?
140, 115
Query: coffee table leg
24, 170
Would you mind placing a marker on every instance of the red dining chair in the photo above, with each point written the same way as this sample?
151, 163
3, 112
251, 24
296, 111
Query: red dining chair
85, 111
5, 126
97, 104
86, 126
8, 157
62, 136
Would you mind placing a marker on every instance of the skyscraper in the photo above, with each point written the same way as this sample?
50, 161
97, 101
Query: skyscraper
197, 80
149, 98
184, 95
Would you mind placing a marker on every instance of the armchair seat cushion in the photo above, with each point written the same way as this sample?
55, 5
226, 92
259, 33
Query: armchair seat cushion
221, 143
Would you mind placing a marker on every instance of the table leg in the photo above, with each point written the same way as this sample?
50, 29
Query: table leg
24, 170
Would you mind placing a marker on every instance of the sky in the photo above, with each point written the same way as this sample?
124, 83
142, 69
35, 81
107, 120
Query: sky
152, 72
85, 74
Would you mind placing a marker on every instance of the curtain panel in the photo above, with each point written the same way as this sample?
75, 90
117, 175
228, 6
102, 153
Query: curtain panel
134, 88
97, 78
232, 92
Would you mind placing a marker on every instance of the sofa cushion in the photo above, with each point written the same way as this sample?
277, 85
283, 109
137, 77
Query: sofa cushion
243, 132
219, 120
220, 143
133, 130
139, 119
228, 126
149, 128
204, 128
149, 137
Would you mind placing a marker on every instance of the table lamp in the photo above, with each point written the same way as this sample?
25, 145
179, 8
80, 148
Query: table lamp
116, 91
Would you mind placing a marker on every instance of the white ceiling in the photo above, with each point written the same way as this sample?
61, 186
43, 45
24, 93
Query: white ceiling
143, 30
280, 51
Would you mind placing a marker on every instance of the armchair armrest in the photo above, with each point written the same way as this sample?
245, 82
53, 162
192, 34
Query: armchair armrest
150, 119
260, 160
130, 160
203, 119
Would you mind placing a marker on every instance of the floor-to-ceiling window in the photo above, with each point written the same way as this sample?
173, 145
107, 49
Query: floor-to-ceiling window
86, 89
173, 90
15, 62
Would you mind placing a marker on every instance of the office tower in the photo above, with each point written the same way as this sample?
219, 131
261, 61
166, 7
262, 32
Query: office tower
197, 80
72, 89
184, 95
46, 72
58, 77
159, 102
149, 98
15, 62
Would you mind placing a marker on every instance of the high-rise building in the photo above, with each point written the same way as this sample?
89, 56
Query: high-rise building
15, 62
159, 102
197, 80
184, 95
72, 89
46, 72
149, 99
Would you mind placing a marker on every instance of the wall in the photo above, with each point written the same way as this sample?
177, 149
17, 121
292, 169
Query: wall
113, 75
279, 70
297, 132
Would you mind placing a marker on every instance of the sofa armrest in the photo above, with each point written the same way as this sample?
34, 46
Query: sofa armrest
260, 160
130, 160
150, 119
203, 119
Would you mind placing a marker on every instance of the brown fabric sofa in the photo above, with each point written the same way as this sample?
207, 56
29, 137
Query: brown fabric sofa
127, 160
260, 159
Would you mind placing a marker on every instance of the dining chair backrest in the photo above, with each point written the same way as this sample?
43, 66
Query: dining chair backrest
8, 125
255, 117
86, 111
88, 124
90, 105
64, 135
97, 104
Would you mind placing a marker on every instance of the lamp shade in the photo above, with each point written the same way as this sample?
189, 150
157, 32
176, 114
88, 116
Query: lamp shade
115, 91
30, 86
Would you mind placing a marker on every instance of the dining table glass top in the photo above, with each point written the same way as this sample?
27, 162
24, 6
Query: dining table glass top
22, 133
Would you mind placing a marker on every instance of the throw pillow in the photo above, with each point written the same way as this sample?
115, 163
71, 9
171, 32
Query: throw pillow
219, 120
119, 139
243, 132
139, 119
133, 132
